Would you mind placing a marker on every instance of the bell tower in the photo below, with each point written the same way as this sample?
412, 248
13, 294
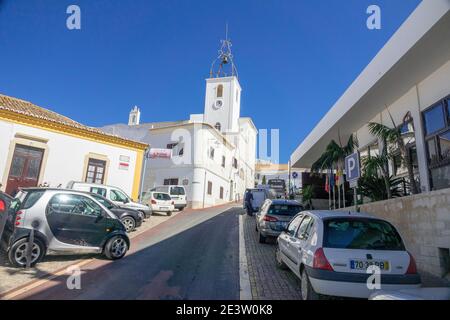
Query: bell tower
223, 91
135, 116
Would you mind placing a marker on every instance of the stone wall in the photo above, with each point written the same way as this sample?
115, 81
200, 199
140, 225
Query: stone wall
424, 223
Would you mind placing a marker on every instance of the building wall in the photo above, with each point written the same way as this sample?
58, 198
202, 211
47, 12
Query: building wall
418, 98
424, 223
66, 155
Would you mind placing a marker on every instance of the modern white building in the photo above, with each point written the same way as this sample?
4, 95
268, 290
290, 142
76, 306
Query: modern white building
212, 154
41, 147
409, 79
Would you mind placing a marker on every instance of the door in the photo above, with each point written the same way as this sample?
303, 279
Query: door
299, 241
76, 220
25, 168
284, 241
95, 171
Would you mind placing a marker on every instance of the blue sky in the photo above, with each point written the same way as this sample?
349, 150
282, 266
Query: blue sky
295, 57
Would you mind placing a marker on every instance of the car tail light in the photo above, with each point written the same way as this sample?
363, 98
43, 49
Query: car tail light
19, 216
153, 201
2, 205
270, 219
412, 268
320, 261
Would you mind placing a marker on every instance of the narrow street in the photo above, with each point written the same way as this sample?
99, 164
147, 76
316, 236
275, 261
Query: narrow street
195, 255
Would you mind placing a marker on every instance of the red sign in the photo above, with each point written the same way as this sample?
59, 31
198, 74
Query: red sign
156, 153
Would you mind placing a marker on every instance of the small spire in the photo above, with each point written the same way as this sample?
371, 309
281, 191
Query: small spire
226, 58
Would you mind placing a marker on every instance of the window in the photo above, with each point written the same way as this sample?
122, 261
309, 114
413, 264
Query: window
301, 233
73, 204
361, 233
96, 171
219, 91
211, 153
434, 119
209, 188
223, 161
119, 196
177, 191
292, 227
162, 196
171, 182
100, 191
235, 163
284, 210
221, 192
437, 136
218, 126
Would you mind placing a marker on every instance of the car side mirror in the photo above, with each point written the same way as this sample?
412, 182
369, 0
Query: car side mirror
126, 201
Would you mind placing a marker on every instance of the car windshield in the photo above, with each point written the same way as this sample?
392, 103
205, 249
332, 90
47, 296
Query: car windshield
162, 196
284, 209
177, 191
360, 233
103, 201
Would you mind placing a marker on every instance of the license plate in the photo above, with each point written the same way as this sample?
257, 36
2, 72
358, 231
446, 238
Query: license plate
364, 264
164, 208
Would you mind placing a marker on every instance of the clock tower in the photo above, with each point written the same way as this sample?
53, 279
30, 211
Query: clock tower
223, 92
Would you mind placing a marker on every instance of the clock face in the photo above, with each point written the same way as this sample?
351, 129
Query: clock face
218, 104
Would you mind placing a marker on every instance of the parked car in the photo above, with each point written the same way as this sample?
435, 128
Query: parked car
331, 251
259, 196
64, 221
274, 216
130, 218
177, 193
6, 199
160, 202
114, 194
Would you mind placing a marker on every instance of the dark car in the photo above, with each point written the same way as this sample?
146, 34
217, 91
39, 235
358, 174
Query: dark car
6, 198
63, 221
130, 218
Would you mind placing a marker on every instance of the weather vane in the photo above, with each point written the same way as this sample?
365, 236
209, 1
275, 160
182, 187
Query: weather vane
224, 59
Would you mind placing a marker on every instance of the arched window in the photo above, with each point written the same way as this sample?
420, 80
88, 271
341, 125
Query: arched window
219, 91
218, 126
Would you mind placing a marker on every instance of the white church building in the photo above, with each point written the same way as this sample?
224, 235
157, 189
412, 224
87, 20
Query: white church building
212, 154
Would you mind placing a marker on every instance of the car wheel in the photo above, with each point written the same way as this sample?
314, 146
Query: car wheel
17, 255
308, 292
181, 209
262, 239
169, 213
280, 264
129, 223
116, 248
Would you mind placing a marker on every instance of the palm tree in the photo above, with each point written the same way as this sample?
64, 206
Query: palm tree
394, 136
334, 157
307, 194
375, 164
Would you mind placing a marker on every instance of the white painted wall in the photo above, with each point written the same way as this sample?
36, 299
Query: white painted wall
67, 154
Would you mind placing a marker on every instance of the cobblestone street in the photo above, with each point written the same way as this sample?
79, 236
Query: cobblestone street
266, 280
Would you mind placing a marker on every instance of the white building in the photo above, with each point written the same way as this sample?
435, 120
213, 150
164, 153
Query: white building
213, 154
409, 79
41, 147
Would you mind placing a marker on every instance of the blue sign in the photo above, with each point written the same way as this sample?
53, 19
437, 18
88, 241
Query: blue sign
352, 167
295, 175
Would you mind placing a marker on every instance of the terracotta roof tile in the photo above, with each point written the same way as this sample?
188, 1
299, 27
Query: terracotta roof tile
29, 109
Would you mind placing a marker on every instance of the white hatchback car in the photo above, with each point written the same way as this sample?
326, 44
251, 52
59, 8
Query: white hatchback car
177, 193
331, 252
160, 202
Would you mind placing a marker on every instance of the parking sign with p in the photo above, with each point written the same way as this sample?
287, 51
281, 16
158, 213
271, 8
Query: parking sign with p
352, 167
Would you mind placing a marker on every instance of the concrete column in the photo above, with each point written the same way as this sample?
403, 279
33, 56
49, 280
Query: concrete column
420, 145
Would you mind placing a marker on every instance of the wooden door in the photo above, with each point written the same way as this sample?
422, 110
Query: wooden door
25, 168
